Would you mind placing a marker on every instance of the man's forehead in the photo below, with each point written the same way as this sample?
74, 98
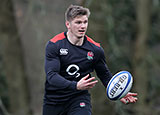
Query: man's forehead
83, 17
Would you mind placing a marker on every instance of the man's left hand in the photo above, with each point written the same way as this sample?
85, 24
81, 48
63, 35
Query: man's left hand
129, 98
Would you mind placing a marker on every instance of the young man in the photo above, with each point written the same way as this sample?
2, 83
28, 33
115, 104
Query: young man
70, 58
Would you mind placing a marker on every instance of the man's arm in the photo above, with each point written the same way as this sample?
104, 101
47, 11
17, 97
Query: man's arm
101, 68
104, 74
52, 69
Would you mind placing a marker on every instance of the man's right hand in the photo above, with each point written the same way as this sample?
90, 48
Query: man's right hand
86, 83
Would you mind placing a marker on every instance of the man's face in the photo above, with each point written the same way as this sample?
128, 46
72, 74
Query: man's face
78, 26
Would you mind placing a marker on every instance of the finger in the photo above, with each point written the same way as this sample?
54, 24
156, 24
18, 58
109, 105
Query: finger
132, 94
135, 99
132, 99
125, 101
90, 79
92, 83
85, 77
91, 86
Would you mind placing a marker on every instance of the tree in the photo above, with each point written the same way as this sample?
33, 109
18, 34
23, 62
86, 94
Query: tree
13, 60
139, 59
37, 22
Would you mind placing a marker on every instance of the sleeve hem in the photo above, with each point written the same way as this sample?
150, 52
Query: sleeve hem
73, 85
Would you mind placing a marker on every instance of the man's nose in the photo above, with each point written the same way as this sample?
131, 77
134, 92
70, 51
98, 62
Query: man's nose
83, 25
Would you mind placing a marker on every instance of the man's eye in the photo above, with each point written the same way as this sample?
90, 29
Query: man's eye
79, 22
85, 21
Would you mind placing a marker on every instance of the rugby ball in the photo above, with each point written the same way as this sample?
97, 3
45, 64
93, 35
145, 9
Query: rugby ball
119, 85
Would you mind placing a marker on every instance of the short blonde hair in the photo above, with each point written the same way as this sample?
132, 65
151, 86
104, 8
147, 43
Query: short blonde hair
74, 10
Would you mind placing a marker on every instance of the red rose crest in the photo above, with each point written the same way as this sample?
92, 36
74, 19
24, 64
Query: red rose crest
90, 55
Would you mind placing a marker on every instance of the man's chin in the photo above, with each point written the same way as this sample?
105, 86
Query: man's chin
79, 37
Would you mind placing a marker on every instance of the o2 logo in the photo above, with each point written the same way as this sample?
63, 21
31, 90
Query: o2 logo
73, 70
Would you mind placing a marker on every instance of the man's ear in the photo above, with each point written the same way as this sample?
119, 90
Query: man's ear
68, 24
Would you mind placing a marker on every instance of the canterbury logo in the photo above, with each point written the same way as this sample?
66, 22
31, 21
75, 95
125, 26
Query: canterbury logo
63, 51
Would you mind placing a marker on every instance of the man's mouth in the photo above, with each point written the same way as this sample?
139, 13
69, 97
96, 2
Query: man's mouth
81, 30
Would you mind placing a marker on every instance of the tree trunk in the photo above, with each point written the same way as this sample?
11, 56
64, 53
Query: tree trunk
140, 67
12, 59
38, 21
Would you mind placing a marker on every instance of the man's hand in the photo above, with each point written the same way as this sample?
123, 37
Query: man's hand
86, 83
129, 98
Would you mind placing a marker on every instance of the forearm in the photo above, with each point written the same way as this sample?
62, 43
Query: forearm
52, 69
104, 76
102, 70
60, 82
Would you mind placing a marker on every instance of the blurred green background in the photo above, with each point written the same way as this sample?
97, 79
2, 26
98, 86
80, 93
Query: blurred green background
128, 30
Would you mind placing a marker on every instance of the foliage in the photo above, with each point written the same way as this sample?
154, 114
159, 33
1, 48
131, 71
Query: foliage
116, 22
112, 23
121, 35
3, 86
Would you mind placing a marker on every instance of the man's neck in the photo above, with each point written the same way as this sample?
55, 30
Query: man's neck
74, 40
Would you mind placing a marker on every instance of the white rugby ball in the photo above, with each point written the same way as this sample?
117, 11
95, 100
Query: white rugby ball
119, 85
